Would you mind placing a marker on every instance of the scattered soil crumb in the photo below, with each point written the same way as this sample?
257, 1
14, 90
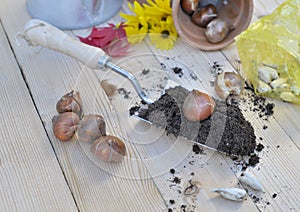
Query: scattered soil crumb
193, 76
259, 201
171, 201
163, 66
134, 110
178, 71
145, 71
172, 171
242, 163
216, 68
265, 127
124, 92
175, 181
258, 104
260, 147
253, 160
197, 149
183, 208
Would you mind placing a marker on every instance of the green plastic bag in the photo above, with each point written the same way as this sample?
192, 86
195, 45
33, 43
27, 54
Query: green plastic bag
269, 51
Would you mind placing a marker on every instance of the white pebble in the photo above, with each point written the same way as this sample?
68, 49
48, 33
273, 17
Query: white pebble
250, 180
234, 194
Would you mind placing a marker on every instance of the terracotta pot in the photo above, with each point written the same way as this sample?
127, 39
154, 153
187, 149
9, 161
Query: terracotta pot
237, 12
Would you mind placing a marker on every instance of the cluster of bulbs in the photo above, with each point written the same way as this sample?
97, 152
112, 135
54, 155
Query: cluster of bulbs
90, 128
216, 29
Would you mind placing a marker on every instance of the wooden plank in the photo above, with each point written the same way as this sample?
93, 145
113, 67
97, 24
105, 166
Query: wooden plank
289, 117
209, 170
278, 168
89, 181
96, 186
31, 178
281, 141
272, 171
265, 201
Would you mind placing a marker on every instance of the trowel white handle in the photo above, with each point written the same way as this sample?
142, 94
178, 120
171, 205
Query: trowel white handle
44, 34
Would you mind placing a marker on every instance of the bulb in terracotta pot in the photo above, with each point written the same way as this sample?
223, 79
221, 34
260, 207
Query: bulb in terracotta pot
229, 83
92, 126
64, 125
217, 30
189, 6
198, 106
70, 102
109, 148
203, 16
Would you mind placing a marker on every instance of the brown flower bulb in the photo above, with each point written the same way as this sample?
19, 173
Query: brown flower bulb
217, 30
203, 16
189, 6
198, 106
109, 148
92, 126
64, 125
70, 102
229, 83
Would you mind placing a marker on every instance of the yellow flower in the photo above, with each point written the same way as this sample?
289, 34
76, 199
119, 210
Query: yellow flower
154, 18
135, 34
163, 35
158, 9
138, 11
136, 26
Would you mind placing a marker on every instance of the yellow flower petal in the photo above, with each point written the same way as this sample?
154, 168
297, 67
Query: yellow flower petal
154, 18
163, 36
158, 8
138, 9
134, 34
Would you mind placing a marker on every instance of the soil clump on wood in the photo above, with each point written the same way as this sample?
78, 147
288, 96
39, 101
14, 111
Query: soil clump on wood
226, 129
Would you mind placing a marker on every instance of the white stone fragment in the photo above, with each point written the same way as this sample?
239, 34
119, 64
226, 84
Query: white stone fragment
278, 83
234, 194
273, 72
295, 89
264, 75
288, 96
263, 87
251, 181
267, 74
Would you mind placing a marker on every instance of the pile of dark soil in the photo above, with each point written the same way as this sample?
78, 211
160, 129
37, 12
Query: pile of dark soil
225, 130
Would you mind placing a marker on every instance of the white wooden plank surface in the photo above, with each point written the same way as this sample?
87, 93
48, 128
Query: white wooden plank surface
142, 182
280, 148
49, 76
286, 115
31, 177
278, 169
210, 170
